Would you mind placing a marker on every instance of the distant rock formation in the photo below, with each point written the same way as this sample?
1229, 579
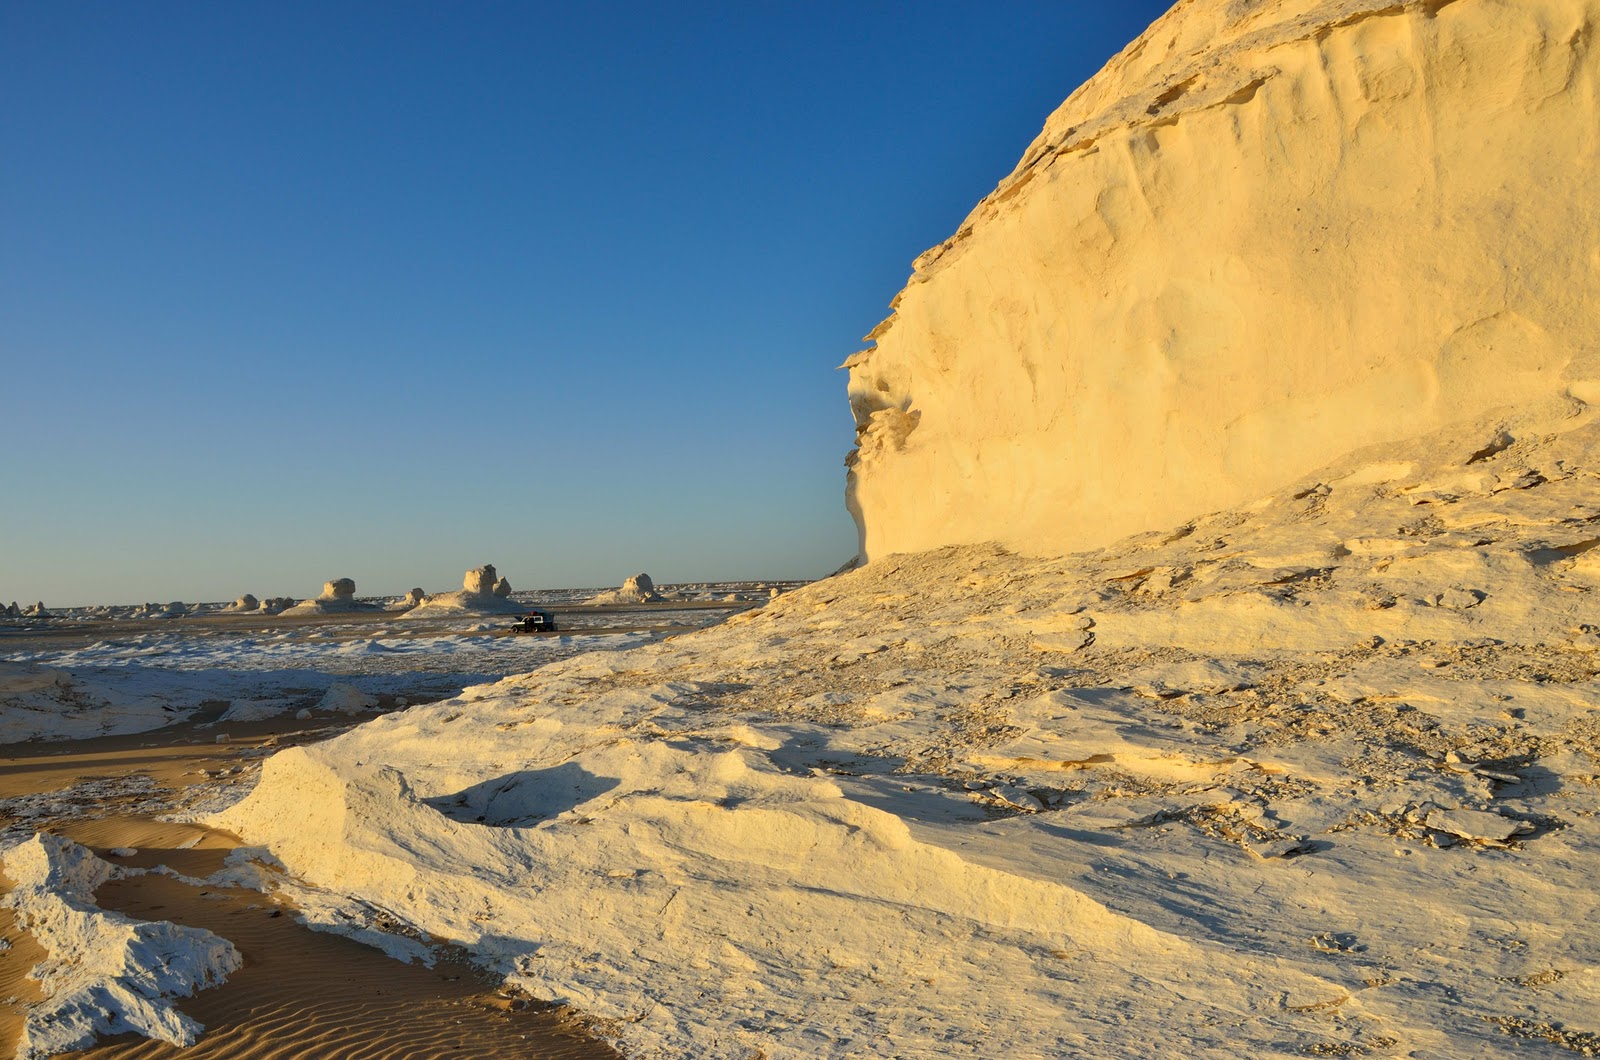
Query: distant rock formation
637, 589
1265, 235
479, 579
13, 611
483, 592
411, 599
275, 605
244, 603
338, 595
35, 610
174, 609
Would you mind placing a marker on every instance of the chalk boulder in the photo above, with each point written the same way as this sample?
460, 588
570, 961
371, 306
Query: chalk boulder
275, 605
502, 588
244, 603
342, 698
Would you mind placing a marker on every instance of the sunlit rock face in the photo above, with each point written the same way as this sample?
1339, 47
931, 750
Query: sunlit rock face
342, 590
1266, 234
479, 580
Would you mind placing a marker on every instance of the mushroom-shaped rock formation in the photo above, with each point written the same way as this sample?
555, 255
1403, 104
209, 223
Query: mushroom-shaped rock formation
337, 595
339, 589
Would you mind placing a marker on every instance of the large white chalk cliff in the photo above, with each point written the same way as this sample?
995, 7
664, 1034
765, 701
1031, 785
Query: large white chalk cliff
1268, 233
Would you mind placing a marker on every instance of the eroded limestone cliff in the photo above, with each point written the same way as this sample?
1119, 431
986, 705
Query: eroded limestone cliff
1267, 233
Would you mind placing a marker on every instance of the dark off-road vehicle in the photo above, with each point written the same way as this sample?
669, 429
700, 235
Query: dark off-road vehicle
535, 621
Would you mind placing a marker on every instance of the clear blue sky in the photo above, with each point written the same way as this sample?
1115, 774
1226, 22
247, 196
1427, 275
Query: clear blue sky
295, 291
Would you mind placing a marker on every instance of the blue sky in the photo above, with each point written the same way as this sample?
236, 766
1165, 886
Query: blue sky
297, 291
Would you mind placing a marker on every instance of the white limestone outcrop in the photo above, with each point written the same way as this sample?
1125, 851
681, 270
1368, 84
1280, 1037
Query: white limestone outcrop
481, 594
479, 579
106, 973
338, 595
637, 589
1266, 234
410, 599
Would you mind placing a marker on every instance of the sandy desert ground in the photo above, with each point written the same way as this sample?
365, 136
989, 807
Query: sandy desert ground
300, 992
167, 694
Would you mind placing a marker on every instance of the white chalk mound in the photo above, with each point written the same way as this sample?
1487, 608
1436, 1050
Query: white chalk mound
483, 592
106, 973
246, 602
343, 698
38, 702
1268, 233
637, 589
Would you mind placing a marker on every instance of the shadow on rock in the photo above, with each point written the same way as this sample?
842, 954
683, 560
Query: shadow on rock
525, 797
